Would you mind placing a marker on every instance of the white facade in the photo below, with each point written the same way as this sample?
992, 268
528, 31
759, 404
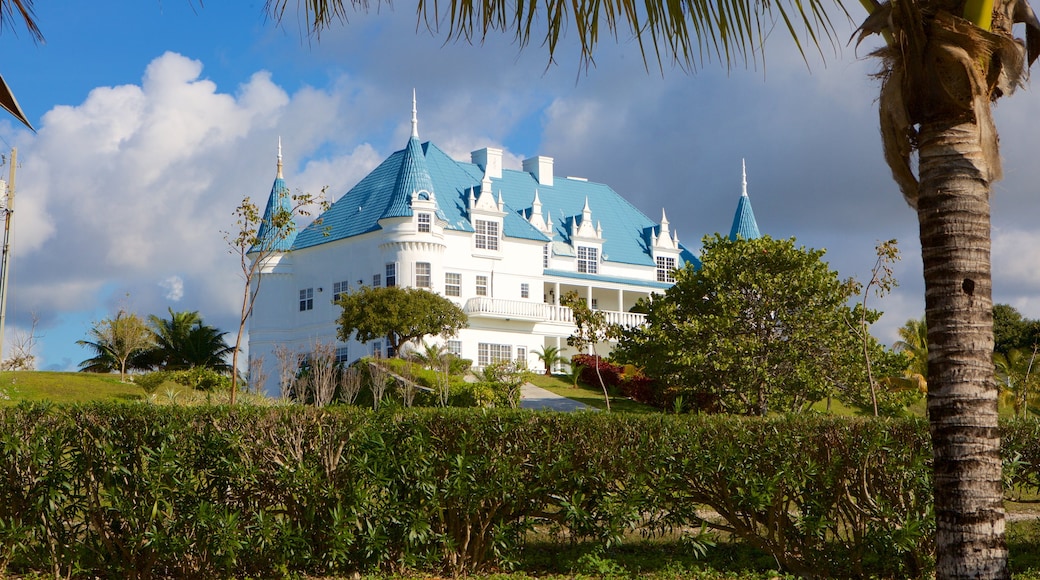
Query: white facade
479, 234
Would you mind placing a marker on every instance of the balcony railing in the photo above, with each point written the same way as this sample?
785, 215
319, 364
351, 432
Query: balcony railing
540, 312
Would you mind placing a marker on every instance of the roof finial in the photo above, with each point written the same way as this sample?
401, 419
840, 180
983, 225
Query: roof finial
279, 157
743, 179
415, 118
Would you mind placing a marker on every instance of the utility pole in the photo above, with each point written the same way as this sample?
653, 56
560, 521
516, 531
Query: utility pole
5, 261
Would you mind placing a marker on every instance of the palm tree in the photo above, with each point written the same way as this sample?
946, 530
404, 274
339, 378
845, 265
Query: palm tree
103, 361
431, 356
550, 357
115, 341
182, 341
1017, 377
205, 347
945, 63
913, 343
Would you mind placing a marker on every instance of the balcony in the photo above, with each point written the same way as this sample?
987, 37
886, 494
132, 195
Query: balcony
540, 312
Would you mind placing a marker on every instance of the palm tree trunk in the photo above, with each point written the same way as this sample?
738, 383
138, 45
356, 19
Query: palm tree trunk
953, 212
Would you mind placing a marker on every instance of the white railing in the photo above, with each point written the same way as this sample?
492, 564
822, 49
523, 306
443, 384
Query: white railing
538, 311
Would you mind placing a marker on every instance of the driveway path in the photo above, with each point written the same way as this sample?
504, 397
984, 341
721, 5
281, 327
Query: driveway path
532, 397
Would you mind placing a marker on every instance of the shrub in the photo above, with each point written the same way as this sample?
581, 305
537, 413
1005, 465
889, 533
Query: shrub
151, 382
628, 380
201, 379
123, 490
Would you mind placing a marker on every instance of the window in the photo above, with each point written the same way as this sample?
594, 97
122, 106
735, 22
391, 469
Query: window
339, 289
343, 354
525, 290
423, 277
452, 284
489, 353
377, 280
306, 299
377, 349
595, 304
391, 275
521, 356
454, 347
487, 235
665, 269
545, 256
424, 222
482, 286
588, 260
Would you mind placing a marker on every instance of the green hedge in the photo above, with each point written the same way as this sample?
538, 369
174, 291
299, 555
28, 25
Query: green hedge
147, 491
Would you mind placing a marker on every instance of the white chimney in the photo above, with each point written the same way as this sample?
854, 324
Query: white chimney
488, 159
541, 168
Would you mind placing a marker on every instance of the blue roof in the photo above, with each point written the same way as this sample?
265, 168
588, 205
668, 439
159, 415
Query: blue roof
270, 237
744, 224
380, 195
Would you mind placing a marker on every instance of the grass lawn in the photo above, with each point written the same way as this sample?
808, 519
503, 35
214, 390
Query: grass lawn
590, 395
65, 387
61, 388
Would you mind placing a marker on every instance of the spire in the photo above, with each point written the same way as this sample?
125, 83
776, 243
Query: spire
744, 224
743, 178
279, 204
415, 118
413, 177
279, 175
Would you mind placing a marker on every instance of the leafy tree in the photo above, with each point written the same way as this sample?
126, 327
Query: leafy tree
881, 282
944, 64
762, 326
257, 239
116, 340
591, 328
398, 314
1011, 330
550, 357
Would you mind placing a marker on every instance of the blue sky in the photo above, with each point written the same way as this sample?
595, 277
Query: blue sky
155, 119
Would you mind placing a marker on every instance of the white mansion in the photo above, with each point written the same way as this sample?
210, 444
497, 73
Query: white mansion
503, 244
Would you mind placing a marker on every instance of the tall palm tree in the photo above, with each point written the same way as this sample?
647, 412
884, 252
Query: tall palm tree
946, 61
182, 341
913, 342
115, 341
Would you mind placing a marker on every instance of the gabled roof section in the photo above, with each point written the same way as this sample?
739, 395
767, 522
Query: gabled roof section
279, 206
744, 224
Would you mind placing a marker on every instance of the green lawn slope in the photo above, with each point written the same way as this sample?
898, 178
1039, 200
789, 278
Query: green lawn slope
17, 386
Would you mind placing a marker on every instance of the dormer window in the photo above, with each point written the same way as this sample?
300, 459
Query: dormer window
486, 235
665, 269
588, 260
424, 220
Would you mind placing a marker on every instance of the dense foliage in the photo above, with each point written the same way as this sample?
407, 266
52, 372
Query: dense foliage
398, 314
145, 491
763, 326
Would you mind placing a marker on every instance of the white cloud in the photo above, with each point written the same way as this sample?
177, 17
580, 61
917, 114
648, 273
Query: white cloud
174, 287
